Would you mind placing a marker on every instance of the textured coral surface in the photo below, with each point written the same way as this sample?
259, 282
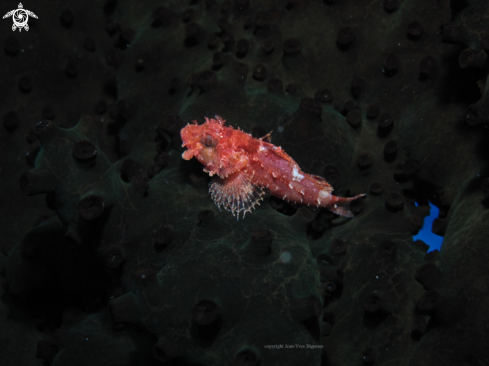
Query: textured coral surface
112, 251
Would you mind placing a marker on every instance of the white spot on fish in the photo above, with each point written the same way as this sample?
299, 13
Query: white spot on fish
262, 148
290, 186
324, 194
296, 175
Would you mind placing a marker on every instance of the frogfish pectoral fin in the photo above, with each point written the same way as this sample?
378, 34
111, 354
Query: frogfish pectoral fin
235, 193
341, 205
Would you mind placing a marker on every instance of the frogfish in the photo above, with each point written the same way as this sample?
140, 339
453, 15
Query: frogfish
243, 166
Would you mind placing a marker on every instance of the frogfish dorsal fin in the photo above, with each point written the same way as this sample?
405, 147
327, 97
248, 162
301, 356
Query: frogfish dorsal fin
236, 194
267, 137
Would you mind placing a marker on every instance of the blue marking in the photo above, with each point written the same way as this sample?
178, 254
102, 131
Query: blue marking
434, 241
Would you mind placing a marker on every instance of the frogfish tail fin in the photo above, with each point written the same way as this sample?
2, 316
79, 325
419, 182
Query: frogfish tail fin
341, 205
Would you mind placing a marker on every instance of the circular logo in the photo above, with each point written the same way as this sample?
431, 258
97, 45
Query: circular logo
20, 18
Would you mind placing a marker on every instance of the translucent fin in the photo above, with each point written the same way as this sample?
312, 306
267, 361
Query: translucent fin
235, 193
341, 205
267, 137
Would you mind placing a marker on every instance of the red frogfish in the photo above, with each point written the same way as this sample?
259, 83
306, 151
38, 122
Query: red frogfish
243, 166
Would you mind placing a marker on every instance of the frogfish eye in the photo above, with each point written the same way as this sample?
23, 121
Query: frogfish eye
208, 141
